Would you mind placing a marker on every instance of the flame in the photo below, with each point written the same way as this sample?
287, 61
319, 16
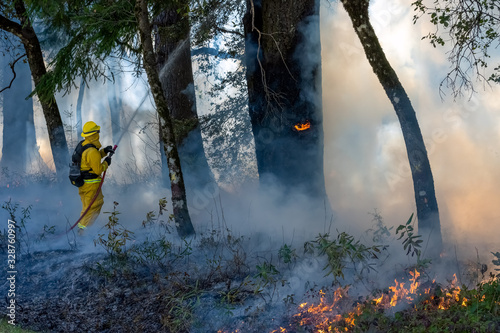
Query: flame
322, 315
303, 126
330, 316
379, 300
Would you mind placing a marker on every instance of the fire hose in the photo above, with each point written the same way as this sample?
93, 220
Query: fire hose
104, 174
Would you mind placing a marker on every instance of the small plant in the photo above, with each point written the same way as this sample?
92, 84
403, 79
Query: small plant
47, 231
267, 273
21, 231
152, 251
287, 254
341, 251
412, 243
152, 218
380, 232
184, 251
117, 237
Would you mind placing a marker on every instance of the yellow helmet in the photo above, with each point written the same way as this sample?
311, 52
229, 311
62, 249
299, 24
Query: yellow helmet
90, 128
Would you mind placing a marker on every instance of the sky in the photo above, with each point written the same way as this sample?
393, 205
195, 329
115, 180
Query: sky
366, 166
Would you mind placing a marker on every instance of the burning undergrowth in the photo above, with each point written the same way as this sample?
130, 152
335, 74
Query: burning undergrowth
430, 307
150, 281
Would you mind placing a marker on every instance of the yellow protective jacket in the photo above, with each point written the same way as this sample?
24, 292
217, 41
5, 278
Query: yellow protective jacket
91, 159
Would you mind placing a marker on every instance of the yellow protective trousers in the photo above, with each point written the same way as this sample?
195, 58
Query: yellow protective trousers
87, 192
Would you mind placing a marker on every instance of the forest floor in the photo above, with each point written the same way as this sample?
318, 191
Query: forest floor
151, 281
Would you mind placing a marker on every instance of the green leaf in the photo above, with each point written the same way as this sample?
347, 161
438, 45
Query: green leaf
409, 220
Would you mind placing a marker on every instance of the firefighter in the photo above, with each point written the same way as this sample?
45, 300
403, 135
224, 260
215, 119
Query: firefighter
92, 168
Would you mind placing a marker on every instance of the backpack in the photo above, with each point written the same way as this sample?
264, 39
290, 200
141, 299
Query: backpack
76, 176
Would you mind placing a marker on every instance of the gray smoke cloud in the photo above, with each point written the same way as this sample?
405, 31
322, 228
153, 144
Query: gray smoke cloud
366, 167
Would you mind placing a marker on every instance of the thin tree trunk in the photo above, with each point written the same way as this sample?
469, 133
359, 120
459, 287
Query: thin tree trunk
283, 59
115, 106
79, 102
423, 183
180, 209
16, 117
28, 37
173, 52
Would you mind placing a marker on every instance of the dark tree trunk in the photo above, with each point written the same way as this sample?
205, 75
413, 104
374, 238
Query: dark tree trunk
283, 58
423, 184
173, 51
17, 114
28, 37
180, 209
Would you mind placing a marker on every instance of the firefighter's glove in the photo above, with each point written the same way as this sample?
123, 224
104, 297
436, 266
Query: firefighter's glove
108, 160
108, 149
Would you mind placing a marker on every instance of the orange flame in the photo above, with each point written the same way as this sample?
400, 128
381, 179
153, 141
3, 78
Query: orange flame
325, 315
303, 126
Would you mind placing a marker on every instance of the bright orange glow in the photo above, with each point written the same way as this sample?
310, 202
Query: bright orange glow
330, 314
379, 300
414, 284
303, 126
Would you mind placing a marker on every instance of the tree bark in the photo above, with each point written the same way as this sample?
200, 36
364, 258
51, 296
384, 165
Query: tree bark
165, 178
28, 37
180, 209
423, 183
283, 59
173, 52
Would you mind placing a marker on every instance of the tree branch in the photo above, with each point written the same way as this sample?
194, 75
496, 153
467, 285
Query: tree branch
10, 26
230, 31
211, 51
13, 71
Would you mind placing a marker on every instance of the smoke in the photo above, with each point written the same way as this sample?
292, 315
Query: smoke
366, 166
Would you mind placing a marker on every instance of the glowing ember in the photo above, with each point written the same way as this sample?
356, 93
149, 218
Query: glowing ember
303, 126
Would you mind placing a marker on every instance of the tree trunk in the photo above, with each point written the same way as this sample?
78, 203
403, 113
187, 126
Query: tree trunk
16, 117
423, 184
79, 102
173, 51
180, 209
165, 178
115, 106
283, 59
57, 139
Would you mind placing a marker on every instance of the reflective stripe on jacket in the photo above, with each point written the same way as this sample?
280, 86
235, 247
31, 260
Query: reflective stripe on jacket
91, 181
